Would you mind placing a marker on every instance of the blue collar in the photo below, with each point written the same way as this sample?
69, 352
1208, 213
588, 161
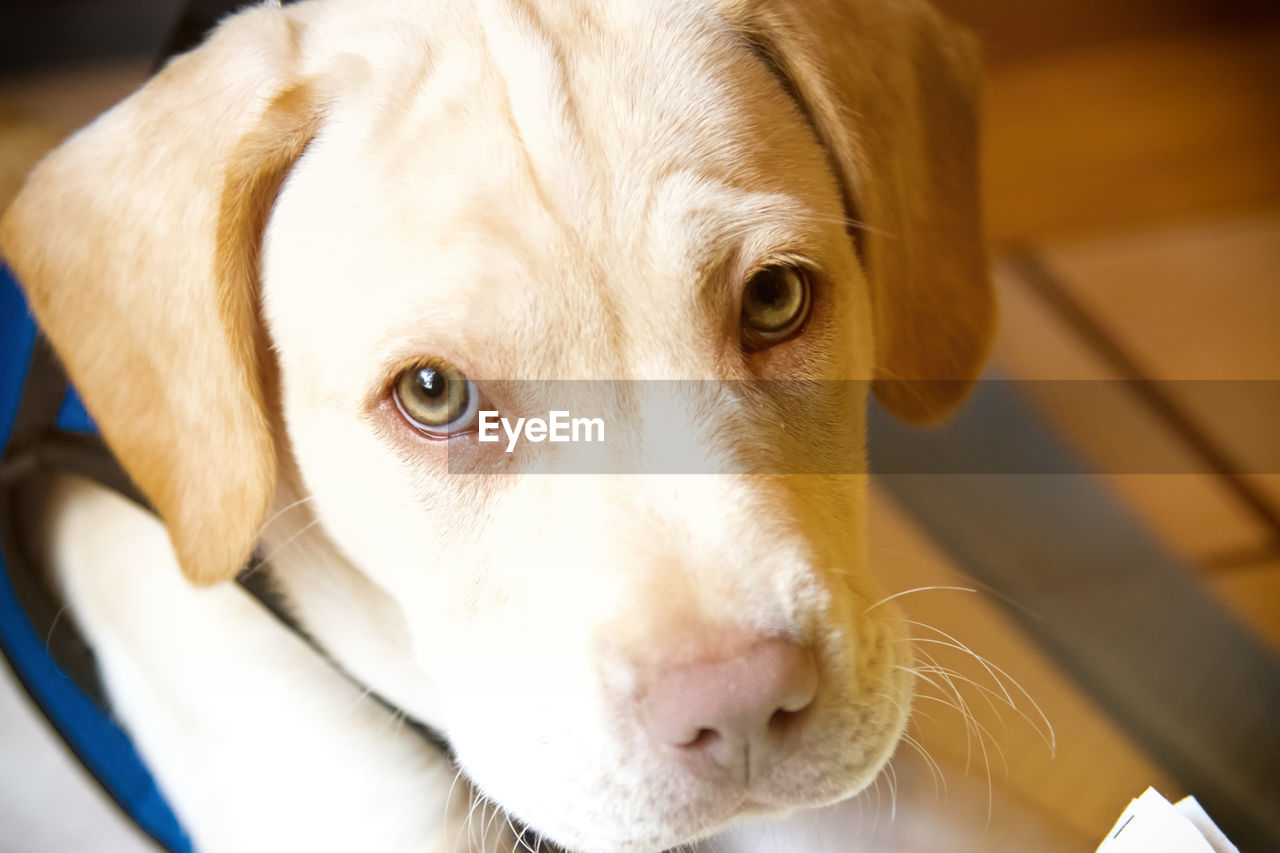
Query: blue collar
84, 723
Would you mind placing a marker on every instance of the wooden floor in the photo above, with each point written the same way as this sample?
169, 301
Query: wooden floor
1132, 174
1133, 196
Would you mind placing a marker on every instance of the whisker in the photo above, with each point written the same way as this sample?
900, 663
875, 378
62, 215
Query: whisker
935, 769
974, 727
979, 728
966, 717
498, 811
875, 815
368, 691
960, 705
972, 724
275, 515
925, 559
986, 693
48, 637
519, 837
959, 646
812, 216
986, 763
917, 589
948, 673
449, 797
992, 669
260, 564
485, 818
893, 793
466, 822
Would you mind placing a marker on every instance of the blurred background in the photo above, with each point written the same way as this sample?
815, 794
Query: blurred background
1132, 180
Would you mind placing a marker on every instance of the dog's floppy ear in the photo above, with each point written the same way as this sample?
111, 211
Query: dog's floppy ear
891, 90
137, 243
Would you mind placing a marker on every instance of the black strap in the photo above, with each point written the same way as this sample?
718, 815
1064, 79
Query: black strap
33, 447
43, 391
23, 486
257, 582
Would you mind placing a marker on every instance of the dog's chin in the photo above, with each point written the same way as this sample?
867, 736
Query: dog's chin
702, 810
699, 820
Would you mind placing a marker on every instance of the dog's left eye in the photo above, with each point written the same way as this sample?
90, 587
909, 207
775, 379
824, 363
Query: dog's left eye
775, 304
436, 398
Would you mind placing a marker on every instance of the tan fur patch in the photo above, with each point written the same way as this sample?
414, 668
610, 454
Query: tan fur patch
139, 260
893, 90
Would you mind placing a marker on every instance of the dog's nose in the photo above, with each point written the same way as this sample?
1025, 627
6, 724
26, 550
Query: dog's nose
735, 714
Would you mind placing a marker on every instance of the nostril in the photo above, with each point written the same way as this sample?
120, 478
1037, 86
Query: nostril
783, 720
703, 740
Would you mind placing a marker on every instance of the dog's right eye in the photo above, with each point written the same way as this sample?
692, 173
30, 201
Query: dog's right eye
436, 398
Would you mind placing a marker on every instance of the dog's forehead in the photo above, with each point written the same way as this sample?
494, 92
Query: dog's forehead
527, 190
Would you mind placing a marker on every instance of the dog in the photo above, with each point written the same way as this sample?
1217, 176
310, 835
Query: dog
281, 273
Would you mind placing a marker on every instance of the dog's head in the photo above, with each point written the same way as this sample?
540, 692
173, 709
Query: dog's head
305, 249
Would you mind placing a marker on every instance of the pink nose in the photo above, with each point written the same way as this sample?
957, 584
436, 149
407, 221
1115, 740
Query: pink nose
733, 715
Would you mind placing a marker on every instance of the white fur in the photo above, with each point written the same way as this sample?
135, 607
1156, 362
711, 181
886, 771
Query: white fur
533, 197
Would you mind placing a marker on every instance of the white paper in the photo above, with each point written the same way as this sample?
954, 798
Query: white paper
1152, 825
1191, 809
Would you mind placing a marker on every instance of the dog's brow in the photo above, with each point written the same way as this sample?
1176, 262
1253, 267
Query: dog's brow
715, 221
759, 46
